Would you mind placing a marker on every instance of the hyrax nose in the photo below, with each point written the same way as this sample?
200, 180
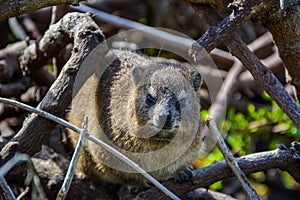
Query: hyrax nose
167, 120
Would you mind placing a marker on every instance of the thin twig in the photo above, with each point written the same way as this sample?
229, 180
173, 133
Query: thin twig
230, 159
7, 192
282, 4
40, 112
226, 91
93, 139
62, 194
31, 173
155, 34
16, 28
27, 189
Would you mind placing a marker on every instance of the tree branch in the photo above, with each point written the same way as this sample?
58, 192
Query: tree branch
281, 158
231, 161
12, 8
76, 27
259, 71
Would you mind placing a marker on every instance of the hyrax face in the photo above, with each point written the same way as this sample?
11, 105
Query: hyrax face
165, 100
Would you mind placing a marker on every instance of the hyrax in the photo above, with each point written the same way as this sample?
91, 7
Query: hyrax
148, 109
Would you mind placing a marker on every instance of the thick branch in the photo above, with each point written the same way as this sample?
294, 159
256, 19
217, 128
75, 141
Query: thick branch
86, 35
259, 71
280, 158
264, 76
9, 61
222, 29
13, 8
285, 28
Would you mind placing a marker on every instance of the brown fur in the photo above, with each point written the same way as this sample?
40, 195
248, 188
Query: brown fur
118, 115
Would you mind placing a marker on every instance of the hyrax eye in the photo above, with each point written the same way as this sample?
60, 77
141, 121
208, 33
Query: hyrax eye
150, 100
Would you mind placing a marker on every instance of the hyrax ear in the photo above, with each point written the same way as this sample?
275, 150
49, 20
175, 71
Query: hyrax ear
196, 78
137, 74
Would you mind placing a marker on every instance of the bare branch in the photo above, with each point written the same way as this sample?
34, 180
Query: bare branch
281, 158
223, 28
264, 76
58, 12
5, 189
72, 27
62, 194
93, 139
31, 173
12, 8
226, 91
16, 28
259, 71
231, 161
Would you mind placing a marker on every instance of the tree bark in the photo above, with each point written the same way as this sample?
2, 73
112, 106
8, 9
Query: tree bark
13, 8
284, 159
215, 35
284, 24
285, 28
82, 30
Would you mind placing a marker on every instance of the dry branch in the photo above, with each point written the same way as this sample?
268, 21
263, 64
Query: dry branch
52, 179
9, 61
284, 24
281, 158
226, 91
265, 78
222, 29
83, 136
231, 161
30, 27
237, 47
285, 27
82, 30
12, 8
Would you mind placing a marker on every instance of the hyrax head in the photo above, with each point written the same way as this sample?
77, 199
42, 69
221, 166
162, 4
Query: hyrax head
165, 100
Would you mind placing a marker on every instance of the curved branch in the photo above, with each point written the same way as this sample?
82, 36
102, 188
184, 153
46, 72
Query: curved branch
76, 27
262, 74
283, 159
12, 8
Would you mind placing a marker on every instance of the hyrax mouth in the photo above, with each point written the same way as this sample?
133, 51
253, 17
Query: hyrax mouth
167, 132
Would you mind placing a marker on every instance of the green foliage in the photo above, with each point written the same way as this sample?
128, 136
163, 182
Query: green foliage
143, 21
11, 38
216, 186
288, 181
151, 52
258, 130
267, 126
51, 68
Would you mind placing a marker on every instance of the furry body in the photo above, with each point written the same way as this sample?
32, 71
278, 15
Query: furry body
146, 108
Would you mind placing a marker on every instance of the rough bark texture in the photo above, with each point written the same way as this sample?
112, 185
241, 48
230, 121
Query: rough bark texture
285, 28
76, 27
237, 47
12, 8
51, 168
281, 158
284, 24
